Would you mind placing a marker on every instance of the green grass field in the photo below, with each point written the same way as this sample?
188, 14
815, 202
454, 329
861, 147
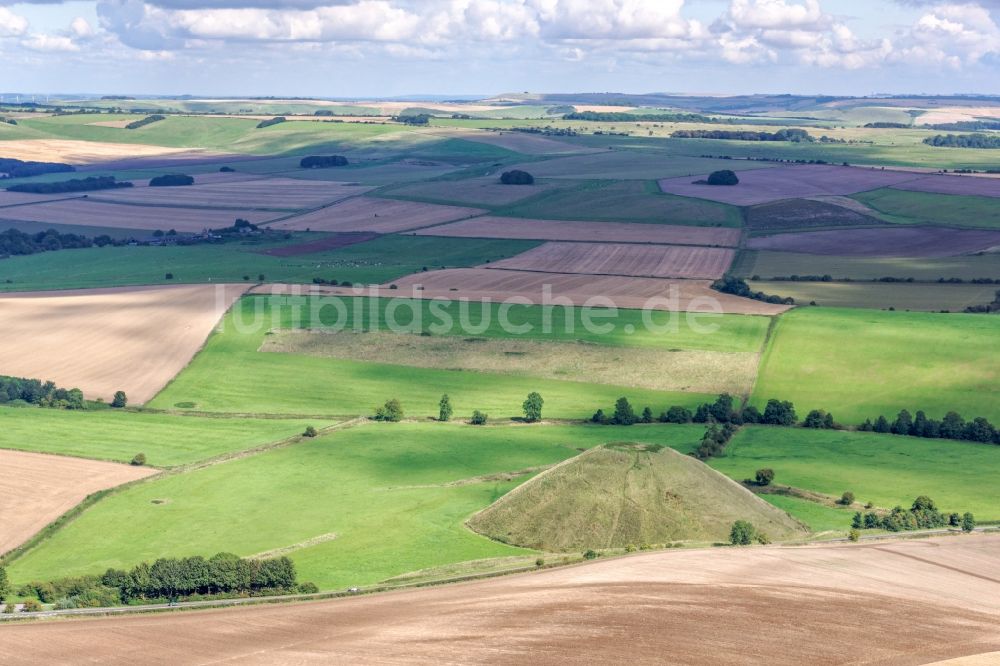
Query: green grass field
923, 297
884, 469
380, 260
119, 435
783, 264
819, 517
230, 375
382, 489
630, 165
904, 207
863, 363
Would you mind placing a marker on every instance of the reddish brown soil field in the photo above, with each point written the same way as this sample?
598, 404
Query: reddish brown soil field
789, 182
620, 232
329, 243
498, 284
35, 489
384, 216
899, 604
884, 242
133, 339
238, 191
969, 185
88, 212
663, 261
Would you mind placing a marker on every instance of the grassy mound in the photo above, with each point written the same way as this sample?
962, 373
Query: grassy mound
623, 494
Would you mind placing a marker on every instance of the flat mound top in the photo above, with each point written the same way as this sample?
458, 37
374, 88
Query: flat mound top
621, 494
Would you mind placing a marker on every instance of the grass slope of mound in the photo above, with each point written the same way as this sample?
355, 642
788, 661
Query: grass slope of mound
624, 494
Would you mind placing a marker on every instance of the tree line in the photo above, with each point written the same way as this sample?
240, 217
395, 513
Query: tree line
622, 117
171, 180
922, 515
322, 161
789, 134
148, 120
16, 243
730, 284
952, 426
88, 184
963, 141
37, 392
20, 169
171, 578
277, 120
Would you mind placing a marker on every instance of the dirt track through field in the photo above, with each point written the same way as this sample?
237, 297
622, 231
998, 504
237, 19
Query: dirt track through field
926, 242
811, 605
615, 232
105, 340
663, 261
382, 216
35, 489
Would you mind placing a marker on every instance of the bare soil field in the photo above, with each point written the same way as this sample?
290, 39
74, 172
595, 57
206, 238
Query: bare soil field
473, 191
941, 184
901, 604
521, 142
788, 182
331, 242
87, 152
133, 339
497, 285
88, 212
489, 226
882, 242
35, 489
239, 192
696, 371
382, 216
802, 213
663, 261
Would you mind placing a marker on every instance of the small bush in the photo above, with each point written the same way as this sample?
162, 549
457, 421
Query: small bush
540, 562
968, 522
31, 606
847, 499
120, 400
742, 533
479, 418
391, 411
309, 432
764, 477
590, 555
139, 459
854, 535
308, 588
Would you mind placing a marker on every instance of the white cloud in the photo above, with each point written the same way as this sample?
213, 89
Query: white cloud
775, 14
81, 28
49, 43
952, 34
11, 24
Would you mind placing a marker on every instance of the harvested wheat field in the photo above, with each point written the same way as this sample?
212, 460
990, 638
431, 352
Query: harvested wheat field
489, 226
20, 198
133, 339
521, 142
91, 212
35, 489
470, 191
384, 216
902, 603
882, 242
541, 288
664, 261
979, 186
87, 152
788, 182
693, 371
239, 192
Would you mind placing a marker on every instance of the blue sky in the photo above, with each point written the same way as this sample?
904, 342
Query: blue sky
366, 48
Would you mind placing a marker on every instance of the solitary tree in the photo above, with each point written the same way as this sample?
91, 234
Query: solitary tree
392, 411
742, 533
445, 411
139, 459
968, 522
723, 177
765, 476
517, 177
624, 414
120, 400
847, 499
533, 407
310, 432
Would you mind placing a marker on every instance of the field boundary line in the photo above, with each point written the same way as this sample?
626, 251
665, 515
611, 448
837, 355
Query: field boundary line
769, 336
43, 201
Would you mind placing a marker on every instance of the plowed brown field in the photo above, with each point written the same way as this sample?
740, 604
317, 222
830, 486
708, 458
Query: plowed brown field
88, 212
35, 489
384, 216
279, 193
883, 242
133, 339
665, 261
970, 185
902, 604
620, 232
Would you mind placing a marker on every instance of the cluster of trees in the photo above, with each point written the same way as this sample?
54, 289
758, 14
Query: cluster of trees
415, 119
16, 243
952, 426
966, 126
723, 177
723, 411
738, 287
277, 120
21, 169
322, 161
171, 578
887, 125
713, 442
922, 515
37, 392
171, 180
148, 120
619, 117
988, 308
391, 411
88, 184
790, 134
743, 533
963, 141
517, 177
